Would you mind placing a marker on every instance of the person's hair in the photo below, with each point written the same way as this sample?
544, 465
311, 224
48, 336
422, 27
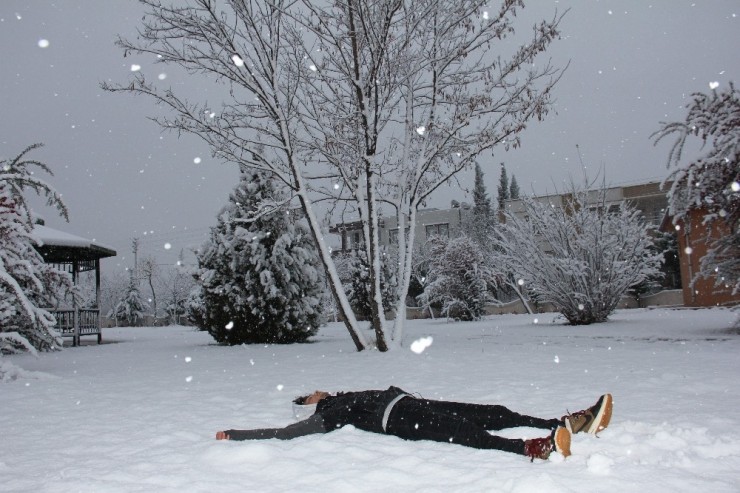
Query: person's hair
301, 400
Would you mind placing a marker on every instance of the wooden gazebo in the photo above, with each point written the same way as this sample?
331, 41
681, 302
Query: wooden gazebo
75, 255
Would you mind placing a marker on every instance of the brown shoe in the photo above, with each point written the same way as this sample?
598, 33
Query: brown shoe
591, 420
561, 440
541, 448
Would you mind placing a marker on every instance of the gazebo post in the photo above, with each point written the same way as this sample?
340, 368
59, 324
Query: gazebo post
97, 299
75, 276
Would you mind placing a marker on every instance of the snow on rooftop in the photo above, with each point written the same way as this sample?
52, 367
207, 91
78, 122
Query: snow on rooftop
45, 235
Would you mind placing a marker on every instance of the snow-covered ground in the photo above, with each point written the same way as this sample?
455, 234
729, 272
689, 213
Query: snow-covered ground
140, 412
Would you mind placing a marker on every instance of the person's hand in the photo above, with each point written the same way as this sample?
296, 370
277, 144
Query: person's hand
221, 435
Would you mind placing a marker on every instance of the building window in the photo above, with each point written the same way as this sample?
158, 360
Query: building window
356, 240
437, 229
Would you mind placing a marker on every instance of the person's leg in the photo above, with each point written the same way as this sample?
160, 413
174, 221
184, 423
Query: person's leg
488, 416
415, 419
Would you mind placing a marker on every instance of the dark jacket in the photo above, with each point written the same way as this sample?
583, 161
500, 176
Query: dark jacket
363, 410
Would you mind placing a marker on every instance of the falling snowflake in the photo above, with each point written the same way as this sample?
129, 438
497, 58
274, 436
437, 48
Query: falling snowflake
189, 379
713, 85
237, 61
735, 186
162, 76
688, 250
167, 246
188, 359
313, 68
230, 325
135, 67
556, 359
43, 43
280, 387
197, 160
421, 130
485, 15
419, 345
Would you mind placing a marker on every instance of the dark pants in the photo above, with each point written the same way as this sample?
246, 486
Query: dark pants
461, 423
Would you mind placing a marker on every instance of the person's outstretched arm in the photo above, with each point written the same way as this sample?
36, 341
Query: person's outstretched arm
310, 426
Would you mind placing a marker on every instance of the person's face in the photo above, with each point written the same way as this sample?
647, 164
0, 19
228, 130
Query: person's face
316, 397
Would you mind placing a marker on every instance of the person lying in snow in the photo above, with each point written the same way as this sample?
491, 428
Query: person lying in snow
396, 412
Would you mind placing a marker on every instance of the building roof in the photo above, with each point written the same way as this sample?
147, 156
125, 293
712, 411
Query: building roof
58, 246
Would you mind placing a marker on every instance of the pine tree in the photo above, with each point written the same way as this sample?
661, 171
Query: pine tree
482, 222
258, 276
513, 188
131, 307
27, 284
503, 189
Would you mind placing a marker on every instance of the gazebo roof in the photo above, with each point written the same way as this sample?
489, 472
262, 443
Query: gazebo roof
59, 247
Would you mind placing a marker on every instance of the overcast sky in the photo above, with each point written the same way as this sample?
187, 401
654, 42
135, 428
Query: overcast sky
633, 63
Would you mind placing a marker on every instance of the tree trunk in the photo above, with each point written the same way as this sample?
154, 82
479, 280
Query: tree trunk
335, 283
376, 303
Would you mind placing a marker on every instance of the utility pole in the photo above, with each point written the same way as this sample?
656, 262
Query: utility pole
135, 248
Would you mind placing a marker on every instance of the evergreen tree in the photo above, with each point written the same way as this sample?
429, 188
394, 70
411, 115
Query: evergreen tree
503, 189
513, 188
131, 307
27, 284
258, 274
483, 219
355, 275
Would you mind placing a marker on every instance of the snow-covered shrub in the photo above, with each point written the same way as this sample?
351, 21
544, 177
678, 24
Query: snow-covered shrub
258, 275
27, 285
580, 255
130, 308
710, 182
457, 278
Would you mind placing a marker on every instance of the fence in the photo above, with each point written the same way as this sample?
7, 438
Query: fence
78, 323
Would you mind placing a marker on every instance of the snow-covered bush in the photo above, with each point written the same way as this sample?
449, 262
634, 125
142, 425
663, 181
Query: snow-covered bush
258, 275
711, 182
580, 255
27, 285
130, 308
457, 278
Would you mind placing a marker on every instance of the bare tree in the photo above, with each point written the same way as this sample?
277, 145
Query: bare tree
113, 285
150, 272
361, 103
711, 182
176, 283
578, 254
